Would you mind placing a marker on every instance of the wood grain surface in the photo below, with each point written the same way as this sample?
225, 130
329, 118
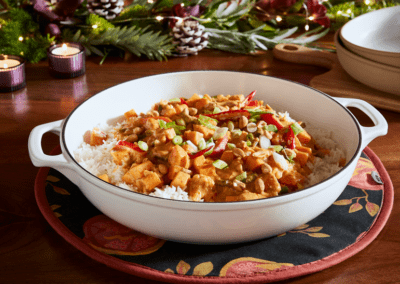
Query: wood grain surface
32, 252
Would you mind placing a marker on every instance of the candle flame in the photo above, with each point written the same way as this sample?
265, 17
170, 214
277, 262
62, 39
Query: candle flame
159, 18
64, 47
278, 18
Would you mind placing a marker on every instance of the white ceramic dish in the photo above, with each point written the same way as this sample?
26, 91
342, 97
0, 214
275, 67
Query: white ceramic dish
375, 75
200, 222
375, 35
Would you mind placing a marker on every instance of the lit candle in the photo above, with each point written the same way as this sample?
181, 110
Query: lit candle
8, 63
65, 50
12, 73
66, 60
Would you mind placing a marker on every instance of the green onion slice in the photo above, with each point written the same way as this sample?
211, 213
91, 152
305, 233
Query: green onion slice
216, 110
270, 127
143, 145
277, 148
220, 132
237, 132
231, 146
242, 176
177, 140
206, 121
248, 143
202, 144
231, 125
296, 128
284, 189
175, 100
220, 164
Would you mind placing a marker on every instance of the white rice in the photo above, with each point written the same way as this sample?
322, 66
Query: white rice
98, 160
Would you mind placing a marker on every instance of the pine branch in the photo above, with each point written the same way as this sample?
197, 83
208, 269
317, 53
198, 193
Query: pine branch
135, 40
251, 41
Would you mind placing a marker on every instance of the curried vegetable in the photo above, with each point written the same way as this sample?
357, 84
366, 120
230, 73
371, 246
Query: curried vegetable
217, 149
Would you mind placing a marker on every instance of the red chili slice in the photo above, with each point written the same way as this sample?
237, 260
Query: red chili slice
130, 145
219, 147
248, 99
229, 115
290, 138
199, 153
270, 119
254, 103
184, 102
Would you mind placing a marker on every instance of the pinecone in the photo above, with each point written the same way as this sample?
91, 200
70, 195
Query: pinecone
108, 9
190, 36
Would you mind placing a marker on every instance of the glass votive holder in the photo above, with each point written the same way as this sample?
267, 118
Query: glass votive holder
66, 60
12, 73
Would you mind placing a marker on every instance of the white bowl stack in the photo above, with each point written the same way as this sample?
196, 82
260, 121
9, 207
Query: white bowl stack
368, 48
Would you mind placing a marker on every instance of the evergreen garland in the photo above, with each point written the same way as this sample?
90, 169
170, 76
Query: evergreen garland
143, 28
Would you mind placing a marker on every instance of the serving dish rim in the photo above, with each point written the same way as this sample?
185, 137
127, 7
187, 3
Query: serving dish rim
372, 51
283, 198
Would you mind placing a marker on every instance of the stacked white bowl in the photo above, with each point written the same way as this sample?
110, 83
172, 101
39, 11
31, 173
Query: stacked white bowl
368, 48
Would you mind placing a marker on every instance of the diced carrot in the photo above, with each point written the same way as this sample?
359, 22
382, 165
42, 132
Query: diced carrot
181, 180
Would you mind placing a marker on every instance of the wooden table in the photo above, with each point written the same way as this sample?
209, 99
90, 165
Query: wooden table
31, 250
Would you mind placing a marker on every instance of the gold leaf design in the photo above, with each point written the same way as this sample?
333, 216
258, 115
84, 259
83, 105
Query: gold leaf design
182, 267
313, 229
54, 207
52, 179
355, 207
318, 235
58, 215
372, 208
281, 235
169, 270
60, 190
343, 202
301, 227
203, 268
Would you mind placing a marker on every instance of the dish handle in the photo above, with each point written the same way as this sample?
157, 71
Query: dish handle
367, 133
40, 159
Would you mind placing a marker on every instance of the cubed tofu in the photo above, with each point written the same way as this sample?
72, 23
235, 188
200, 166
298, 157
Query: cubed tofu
180, 107
301, 157
198, 162
136, 172
207, 169
200, 104
122, 155
188, 148
193, 136
228, 156
169, 133
181, 180
292, 178
179, 157
131, 113
168, 112
304, 137
199, 185
151, 123
304, 149
193, 100
97, 137
207, 132
173, 171
253, 163
148, 182
104, 177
